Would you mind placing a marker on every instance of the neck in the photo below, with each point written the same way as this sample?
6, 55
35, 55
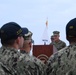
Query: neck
12, 46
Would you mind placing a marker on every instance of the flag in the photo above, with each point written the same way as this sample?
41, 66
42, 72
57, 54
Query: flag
47, 22
45, 37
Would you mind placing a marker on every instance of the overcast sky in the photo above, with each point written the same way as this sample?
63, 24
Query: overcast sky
34, 13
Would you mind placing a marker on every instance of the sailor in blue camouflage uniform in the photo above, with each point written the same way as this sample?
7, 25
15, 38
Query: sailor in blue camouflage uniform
59, 44
64, 61
25, 50
11, 61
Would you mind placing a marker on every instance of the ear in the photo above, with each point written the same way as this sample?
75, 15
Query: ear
18, 40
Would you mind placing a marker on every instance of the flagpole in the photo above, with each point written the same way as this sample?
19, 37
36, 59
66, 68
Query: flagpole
45, 39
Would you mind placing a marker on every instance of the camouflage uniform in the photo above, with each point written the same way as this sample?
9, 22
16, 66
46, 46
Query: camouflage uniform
26, 49
63, 62
9, 57
14, 63
1, 70
35, 60
59, 45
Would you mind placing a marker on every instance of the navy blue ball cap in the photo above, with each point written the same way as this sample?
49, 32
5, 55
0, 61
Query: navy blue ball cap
26, 32
71, 28
10, 30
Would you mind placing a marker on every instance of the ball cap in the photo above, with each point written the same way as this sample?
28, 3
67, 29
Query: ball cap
10, 30
27, 32
71, 28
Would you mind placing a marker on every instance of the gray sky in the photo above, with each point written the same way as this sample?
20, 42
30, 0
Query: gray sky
33, 15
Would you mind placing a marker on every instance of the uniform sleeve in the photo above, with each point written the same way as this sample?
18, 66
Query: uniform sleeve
52, 64
39, 63
64, 44
28, 67
3, 70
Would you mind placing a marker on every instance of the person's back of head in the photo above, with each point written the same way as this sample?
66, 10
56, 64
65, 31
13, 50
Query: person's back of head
71, 30
9, 32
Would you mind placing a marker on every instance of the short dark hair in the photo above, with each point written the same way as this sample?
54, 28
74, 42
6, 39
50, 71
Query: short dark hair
10, 41
7, 42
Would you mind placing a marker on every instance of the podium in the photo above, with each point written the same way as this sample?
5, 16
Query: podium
43, 52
